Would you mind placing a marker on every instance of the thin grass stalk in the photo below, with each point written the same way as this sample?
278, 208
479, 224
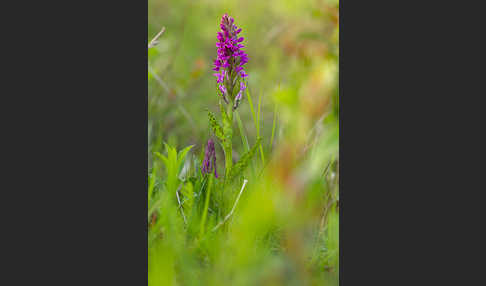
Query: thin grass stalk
228, 154
273, 125
206, 205
258, 127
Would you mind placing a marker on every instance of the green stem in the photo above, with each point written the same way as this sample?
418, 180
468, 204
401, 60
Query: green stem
206, 205
228, 153
258, 127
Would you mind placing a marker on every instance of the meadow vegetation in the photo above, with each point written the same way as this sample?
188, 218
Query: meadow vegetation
271, 215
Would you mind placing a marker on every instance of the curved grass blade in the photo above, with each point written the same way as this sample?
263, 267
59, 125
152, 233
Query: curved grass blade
241, 165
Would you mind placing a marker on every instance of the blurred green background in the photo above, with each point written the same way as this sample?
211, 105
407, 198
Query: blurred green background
291, 44
293, 68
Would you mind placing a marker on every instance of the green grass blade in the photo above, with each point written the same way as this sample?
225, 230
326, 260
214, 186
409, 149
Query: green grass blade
251, 108
240, 166
273, 125
151, 183
244, 139
182, 155
258, 126
206, 206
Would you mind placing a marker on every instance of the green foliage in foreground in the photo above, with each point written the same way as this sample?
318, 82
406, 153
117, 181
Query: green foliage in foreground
203, 231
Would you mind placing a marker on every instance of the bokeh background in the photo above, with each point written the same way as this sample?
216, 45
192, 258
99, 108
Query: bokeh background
293, 46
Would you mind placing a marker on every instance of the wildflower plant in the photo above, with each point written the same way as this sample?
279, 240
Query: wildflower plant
231, 81
209, 163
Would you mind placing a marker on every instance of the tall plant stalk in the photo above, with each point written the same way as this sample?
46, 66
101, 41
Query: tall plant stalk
231, 81
228, 153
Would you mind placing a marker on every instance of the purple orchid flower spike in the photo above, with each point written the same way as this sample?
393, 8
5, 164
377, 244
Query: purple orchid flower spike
209, 162
230, 61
